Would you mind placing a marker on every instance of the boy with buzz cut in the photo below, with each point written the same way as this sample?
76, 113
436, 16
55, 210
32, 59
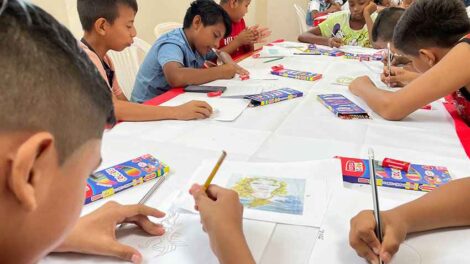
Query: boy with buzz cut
177, 58
53, 108
109, 25
242, 39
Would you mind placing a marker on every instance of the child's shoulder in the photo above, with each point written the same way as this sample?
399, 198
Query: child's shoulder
175, 36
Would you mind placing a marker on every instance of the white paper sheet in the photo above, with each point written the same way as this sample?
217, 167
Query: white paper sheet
184, 242
290, 193
332, 245
358, 50
275, 51
242, 90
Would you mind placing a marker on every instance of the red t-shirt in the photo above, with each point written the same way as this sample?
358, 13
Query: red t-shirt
462, 96
237, 28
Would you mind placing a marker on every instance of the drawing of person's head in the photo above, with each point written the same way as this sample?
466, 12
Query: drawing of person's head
260, 189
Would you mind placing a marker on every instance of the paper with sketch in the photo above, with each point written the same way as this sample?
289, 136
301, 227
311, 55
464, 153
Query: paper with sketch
223, 109
183, 242
289, 193
275, 51
332, 245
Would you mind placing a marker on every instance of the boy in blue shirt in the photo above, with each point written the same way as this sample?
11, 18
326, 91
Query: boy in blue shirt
177, 58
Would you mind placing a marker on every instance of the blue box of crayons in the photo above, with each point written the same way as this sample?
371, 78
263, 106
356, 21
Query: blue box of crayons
342, 107
273, 96
107, 182
418, 178
299, 75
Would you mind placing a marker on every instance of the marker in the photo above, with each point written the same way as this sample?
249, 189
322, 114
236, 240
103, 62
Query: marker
148, 194
395, 164
276, 59
214, 170
389, 64
375, 197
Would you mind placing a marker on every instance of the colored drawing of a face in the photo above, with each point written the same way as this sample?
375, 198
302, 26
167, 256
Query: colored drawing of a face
263, 188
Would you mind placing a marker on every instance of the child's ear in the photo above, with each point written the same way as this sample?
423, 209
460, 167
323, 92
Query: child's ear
23, 176
428, 56
197, 22
100, 26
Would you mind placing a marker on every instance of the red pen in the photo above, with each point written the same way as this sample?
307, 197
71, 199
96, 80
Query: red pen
214, 94
395, 164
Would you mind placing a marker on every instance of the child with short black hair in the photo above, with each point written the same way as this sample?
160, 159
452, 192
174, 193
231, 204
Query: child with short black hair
384, 25
351, 27
242, 39
54, 106
109, 25
433, 35
177, 58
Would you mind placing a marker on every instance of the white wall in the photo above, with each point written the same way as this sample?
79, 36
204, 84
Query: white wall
279, 15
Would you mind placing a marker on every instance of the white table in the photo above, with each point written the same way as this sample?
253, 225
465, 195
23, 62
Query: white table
296, 130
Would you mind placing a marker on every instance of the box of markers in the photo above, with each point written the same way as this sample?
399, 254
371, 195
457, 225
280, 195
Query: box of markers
418, 177
273, 96
314, 50
112, 180
342, 107
299, 75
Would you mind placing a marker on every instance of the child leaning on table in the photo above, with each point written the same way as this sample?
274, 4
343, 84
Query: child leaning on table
433, 35
53, 108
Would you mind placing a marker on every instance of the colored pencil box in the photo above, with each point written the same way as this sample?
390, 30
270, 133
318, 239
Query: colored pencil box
273, 96
342, 107
418, 178
107, 182
299, 75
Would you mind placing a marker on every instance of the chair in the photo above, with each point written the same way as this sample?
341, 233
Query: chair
127, 63
163, 28
301, 16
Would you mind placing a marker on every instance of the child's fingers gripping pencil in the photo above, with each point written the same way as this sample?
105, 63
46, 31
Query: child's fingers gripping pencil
214, 170
375, 198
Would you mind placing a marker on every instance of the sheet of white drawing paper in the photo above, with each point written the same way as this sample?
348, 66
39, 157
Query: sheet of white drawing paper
240, 90
332, 245
184, 242
275, 51
359, 50
289, 193
224, 109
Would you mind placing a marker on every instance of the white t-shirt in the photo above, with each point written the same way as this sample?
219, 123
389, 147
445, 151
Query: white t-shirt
321, 5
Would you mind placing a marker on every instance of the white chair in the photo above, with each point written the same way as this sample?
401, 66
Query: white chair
127, 63
301, 18
163, 28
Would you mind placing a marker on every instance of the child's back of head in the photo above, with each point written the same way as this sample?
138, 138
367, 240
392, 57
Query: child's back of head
384, 25
431, 23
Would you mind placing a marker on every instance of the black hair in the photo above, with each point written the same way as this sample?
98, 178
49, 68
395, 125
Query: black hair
91, 10
48, 82
385, 23
431, 23
222, 2
210, 12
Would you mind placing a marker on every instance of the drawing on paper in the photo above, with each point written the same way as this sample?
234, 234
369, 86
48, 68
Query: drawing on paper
344, 80
169, 242
280, 195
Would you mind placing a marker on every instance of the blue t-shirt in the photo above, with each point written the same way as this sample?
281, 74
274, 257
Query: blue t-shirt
171, 47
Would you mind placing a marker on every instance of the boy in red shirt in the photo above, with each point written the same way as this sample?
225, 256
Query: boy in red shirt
242, 39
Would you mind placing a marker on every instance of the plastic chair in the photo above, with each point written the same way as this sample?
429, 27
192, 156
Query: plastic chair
163, 28
127, 63
301, 16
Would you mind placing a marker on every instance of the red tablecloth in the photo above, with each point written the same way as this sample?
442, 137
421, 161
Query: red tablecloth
463, 131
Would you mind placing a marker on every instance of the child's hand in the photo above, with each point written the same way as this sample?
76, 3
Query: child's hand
228, 71
360, 83
399, 76
362, 236
96, 233
335, 42
261, 33
397, 60
246, 37
370, 9
221, 214
193, 110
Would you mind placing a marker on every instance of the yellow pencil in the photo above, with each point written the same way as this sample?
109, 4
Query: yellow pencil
215, 169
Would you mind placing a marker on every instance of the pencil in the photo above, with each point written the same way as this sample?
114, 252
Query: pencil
152, 190
375, 197
389, 64
215, 169
276, 59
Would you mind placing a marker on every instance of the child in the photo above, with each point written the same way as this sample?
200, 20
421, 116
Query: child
382, 31
54, 106
177, 58
109, 25
322, 7
346, 27
431, 34
242, 39
443, 207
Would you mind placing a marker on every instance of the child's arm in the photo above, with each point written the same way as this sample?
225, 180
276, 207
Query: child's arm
443, 207
221, 217
368, 11
96, 233
246, 37
314, 36
128, 111
179, 76
399, 78
424, 90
